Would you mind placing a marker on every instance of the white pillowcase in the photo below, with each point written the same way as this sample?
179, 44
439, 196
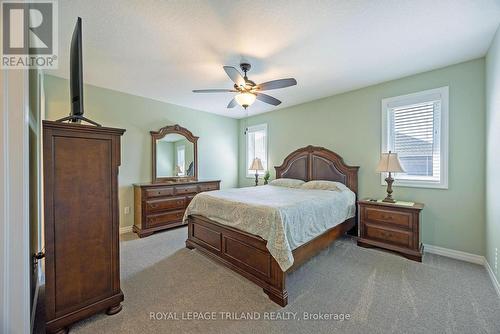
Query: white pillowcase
284, 182
324, 185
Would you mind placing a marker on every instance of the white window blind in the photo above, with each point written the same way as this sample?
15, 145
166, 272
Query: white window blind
414, 130
414, 133
256, 147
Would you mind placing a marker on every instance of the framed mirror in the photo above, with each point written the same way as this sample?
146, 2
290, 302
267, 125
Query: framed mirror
175, 154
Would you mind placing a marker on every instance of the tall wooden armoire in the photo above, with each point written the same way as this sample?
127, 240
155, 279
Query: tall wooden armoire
82, 261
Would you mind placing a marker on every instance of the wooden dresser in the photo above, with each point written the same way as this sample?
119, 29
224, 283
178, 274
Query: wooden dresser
82, 264
391, 226
160, 206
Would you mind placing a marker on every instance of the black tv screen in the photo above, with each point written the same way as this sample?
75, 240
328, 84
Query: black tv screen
76, 71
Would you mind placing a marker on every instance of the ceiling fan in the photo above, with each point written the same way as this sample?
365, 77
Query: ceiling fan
248, 91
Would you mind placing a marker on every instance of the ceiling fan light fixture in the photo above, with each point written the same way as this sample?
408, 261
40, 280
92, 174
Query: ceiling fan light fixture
247, 90
245, 99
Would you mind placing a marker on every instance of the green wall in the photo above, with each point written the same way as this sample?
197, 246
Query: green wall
350, 124
217, 146
492, 155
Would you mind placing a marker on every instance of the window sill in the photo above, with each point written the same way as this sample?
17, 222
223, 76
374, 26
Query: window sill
418, 184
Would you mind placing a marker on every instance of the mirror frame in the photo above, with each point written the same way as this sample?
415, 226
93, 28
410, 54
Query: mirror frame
155, 135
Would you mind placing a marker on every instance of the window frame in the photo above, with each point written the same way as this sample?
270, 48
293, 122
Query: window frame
253, 128
441, 93
181, 148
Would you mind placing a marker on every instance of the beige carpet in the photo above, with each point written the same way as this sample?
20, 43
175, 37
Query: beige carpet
381, 292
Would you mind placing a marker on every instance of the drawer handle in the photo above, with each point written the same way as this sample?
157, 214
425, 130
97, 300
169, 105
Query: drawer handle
387, 217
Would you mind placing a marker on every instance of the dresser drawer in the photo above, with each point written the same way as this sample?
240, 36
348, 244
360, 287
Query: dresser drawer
159, 192
165, 218
208, 187
191, 189
400, 238
189, 199
398, 219
165, 204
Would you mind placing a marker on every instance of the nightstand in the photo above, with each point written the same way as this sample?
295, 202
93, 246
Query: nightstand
394, 227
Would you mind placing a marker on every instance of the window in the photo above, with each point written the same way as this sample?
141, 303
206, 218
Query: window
256, 147
415, 126
181, 164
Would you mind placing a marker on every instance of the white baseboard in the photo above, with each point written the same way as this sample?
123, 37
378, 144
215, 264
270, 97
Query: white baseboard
454, 254
493, 277
125, 229
467, 257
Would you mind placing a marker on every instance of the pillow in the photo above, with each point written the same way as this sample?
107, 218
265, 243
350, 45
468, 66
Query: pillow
324, 185
284, 182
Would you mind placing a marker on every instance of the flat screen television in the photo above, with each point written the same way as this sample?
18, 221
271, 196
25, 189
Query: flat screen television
76, 72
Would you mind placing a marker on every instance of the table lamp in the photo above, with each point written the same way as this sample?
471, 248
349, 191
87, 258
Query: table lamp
256, 166
389, 163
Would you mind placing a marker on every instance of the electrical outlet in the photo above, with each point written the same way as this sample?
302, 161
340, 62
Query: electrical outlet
126, 210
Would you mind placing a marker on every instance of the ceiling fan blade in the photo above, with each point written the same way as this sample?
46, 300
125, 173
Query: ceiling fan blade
267, 99
235, 75
275, 84
232, 104
213, 90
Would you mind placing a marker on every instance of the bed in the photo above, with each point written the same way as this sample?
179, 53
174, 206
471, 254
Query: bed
266, 258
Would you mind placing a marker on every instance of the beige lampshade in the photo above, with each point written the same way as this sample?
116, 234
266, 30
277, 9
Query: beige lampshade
256, 165
389, 162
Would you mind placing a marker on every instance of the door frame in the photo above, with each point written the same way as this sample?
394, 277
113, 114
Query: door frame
14, 203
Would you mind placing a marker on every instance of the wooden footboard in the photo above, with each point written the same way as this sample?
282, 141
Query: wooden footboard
247, 253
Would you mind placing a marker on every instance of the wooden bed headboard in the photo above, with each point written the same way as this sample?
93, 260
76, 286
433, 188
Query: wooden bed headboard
317, 163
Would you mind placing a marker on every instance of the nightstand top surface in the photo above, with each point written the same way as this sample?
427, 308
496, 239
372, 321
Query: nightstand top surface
418, 206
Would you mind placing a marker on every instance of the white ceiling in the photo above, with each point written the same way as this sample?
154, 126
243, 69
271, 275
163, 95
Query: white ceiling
164, 49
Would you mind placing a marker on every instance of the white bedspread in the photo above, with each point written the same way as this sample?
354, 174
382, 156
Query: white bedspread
285, 217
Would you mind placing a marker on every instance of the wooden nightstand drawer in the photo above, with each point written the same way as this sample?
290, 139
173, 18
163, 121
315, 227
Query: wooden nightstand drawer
399, 219
396, 237
392, 226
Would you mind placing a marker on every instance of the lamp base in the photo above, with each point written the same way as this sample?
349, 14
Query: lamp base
256, 179
388, 198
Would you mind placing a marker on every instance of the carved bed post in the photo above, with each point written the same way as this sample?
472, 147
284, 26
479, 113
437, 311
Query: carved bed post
277, 293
